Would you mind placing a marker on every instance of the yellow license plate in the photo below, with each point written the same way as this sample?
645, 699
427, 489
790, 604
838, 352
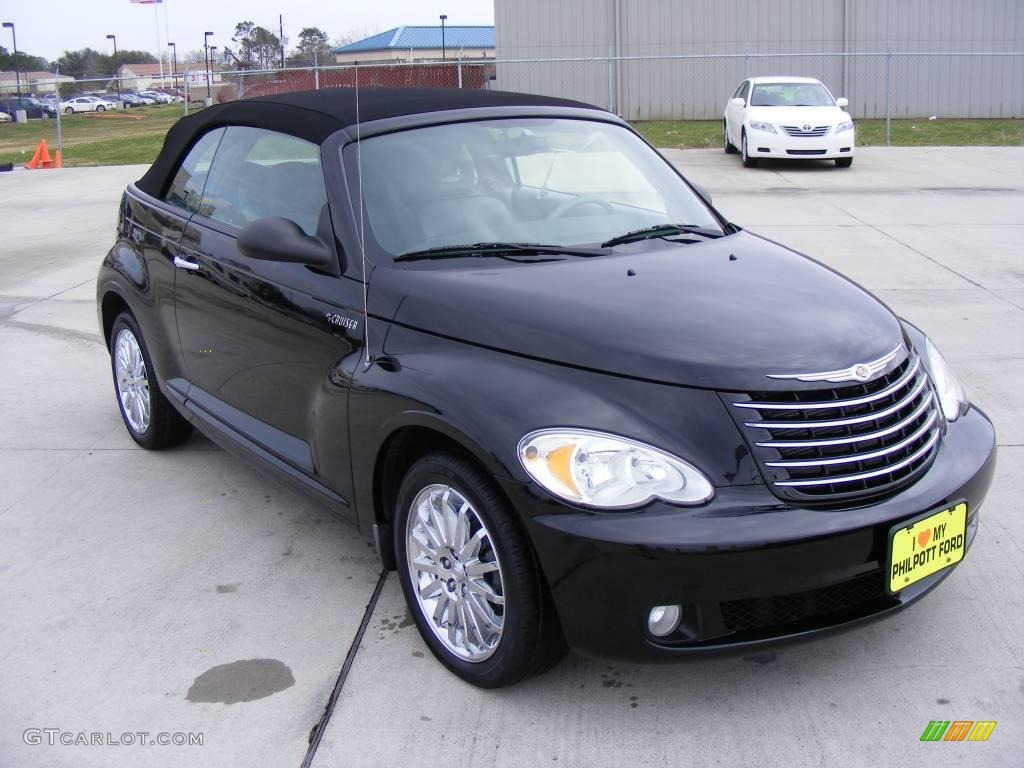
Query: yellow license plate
926, 546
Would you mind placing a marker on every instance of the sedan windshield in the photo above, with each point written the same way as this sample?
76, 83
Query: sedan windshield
791, 95
557, 182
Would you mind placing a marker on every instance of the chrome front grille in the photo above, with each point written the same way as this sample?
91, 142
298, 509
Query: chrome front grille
846, 444
810, 132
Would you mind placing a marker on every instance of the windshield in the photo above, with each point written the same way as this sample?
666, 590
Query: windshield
554, 181
791, 95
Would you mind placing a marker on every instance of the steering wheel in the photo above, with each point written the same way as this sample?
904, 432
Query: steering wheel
575, 202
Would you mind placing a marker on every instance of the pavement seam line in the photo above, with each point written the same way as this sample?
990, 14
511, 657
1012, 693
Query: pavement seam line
350, 658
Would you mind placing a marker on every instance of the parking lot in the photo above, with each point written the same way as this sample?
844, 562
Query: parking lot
184, 591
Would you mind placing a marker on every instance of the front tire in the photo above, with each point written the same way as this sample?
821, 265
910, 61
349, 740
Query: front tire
149, 418
470, 577
730, 148
69, 111
101, 108
844, 162
748, 161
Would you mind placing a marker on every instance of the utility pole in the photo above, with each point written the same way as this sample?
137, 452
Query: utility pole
444, 18
280, 32
17, 70
206, 47
117, 78
174, 64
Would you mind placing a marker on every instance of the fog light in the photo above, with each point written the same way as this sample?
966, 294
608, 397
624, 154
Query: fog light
663, 619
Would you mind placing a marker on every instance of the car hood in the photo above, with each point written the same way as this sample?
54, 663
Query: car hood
721, 314
798, 115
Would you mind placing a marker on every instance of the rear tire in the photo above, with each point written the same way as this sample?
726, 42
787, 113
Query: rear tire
730, 149
844, 162
748, 161
483, 609
69, 111
149, 418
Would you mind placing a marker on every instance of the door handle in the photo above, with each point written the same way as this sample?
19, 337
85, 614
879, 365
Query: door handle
181, 263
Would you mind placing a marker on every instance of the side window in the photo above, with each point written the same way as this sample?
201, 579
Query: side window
186, 191
259, 174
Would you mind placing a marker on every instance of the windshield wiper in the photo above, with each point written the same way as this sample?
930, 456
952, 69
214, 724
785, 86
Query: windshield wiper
661, 230
500, 249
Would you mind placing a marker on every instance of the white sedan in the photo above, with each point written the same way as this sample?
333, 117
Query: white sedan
4, 117
86, 104
791, 118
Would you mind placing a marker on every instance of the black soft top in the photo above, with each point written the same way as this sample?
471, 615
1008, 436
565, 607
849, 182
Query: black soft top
315, 115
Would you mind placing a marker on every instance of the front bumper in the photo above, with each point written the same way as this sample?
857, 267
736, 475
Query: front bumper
784, 147
747, 568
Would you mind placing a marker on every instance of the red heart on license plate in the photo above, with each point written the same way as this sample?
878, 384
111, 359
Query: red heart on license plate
923, 536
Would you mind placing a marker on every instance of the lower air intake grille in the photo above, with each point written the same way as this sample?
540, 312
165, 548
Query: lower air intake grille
848, 444
764, 612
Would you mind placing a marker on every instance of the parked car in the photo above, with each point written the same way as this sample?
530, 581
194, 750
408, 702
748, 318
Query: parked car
131, 100
5, 118
87, 104
34, 108
157, 96
570, 400
177, 96
789, 118
144, 100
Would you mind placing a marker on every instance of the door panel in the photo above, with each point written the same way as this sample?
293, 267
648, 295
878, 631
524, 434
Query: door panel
267, 354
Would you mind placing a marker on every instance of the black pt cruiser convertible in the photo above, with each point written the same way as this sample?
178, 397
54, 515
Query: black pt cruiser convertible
571, 402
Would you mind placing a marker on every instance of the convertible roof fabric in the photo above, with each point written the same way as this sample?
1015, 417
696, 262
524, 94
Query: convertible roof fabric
315, 115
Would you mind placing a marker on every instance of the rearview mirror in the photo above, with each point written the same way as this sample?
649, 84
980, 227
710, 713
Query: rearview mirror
738, 102
704, 194
277, 239
842, 102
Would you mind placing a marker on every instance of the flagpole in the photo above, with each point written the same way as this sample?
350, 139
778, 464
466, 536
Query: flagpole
159, 52
167, 38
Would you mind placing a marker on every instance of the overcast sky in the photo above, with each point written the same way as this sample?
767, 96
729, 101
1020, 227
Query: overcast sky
49, 27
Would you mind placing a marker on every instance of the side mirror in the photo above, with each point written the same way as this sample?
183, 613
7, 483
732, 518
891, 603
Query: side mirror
738, 102
277, 239
842, 102
704, 194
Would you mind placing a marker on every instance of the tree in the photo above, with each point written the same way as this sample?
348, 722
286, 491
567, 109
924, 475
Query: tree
90, 63
314, 45
355, 34
26, 62
258, 48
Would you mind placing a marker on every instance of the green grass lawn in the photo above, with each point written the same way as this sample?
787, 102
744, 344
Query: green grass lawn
905, 133
117, 138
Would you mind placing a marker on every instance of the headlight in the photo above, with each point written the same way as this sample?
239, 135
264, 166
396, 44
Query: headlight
607, 471
843, 127
759, 126
948, 388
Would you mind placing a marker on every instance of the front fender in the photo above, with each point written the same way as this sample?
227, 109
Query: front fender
487, 400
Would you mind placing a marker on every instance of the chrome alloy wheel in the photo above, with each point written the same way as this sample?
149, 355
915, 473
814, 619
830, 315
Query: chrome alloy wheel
132, 381
454, 570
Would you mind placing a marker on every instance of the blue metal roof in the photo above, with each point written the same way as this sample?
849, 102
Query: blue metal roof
419, 38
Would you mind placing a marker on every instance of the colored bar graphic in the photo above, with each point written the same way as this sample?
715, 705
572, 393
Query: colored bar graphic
982, 730
934, 730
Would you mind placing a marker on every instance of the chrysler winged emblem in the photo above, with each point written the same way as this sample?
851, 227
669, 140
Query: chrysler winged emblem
856, 372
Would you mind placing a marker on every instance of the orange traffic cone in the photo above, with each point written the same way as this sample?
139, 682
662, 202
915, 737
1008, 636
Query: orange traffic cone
45, 161
34, 162
56, 160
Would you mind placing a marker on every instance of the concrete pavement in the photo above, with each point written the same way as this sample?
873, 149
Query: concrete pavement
182, 591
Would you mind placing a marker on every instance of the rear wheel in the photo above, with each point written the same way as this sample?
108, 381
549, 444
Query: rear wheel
730, 149
469, 576
748, 161
844, 162
69, 111
150, 419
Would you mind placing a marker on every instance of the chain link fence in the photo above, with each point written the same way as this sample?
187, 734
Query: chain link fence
878, 84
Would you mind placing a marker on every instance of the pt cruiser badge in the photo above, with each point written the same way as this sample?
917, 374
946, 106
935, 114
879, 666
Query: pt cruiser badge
560, 414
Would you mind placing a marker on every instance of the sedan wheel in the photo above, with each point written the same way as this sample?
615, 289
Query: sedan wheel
469, 575
730, 149
748, 161
69, 111
150, 419
101, 108
455, 572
